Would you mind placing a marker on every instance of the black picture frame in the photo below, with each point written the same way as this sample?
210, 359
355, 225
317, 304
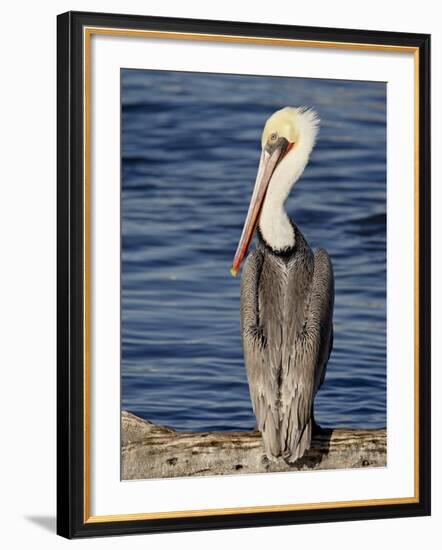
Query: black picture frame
72, 521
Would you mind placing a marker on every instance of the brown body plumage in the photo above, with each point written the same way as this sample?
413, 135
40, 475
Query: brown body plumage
286, 328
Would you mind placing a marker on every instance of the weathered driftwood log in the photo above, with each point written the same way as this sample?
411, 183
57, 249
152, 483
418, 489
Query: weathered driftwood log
150, 451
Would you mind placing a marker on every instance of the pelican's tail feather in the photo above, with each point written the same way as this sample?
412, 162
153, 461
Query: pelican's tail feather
302, 444
270, 438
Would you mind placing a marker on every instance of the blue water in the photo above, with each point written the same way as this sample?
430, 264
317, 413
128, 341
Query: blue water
190, 150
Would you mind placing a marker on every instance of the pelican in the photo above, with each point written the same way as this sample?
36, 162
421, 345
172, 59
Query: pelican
286, 296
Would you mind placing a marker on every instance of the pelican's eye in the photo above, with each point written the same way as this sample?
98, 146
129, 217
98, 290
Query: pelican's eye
273, 136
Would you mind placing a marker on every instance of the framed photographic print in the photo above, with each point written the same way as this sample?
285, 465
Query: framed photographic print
243, 274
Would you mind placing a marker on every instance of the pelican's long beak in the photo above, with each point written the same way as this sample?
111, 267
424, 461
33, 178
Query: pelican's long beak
267, 165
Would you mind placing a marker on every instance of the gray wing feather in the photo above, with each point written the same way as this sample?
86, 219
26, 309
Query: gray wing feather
286, 328
306, 360
261, 374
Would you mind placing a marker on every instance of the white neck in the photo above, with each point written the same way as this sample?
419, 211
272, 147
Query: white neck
274, 223
275, 226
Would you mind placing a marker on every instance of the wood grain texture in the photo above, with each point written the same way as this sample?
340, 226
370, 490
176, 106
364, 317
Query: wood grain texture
151, 451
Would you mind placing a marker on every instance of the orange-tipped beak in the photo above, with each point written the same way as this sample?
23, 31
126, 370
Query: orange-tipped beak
266, 168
